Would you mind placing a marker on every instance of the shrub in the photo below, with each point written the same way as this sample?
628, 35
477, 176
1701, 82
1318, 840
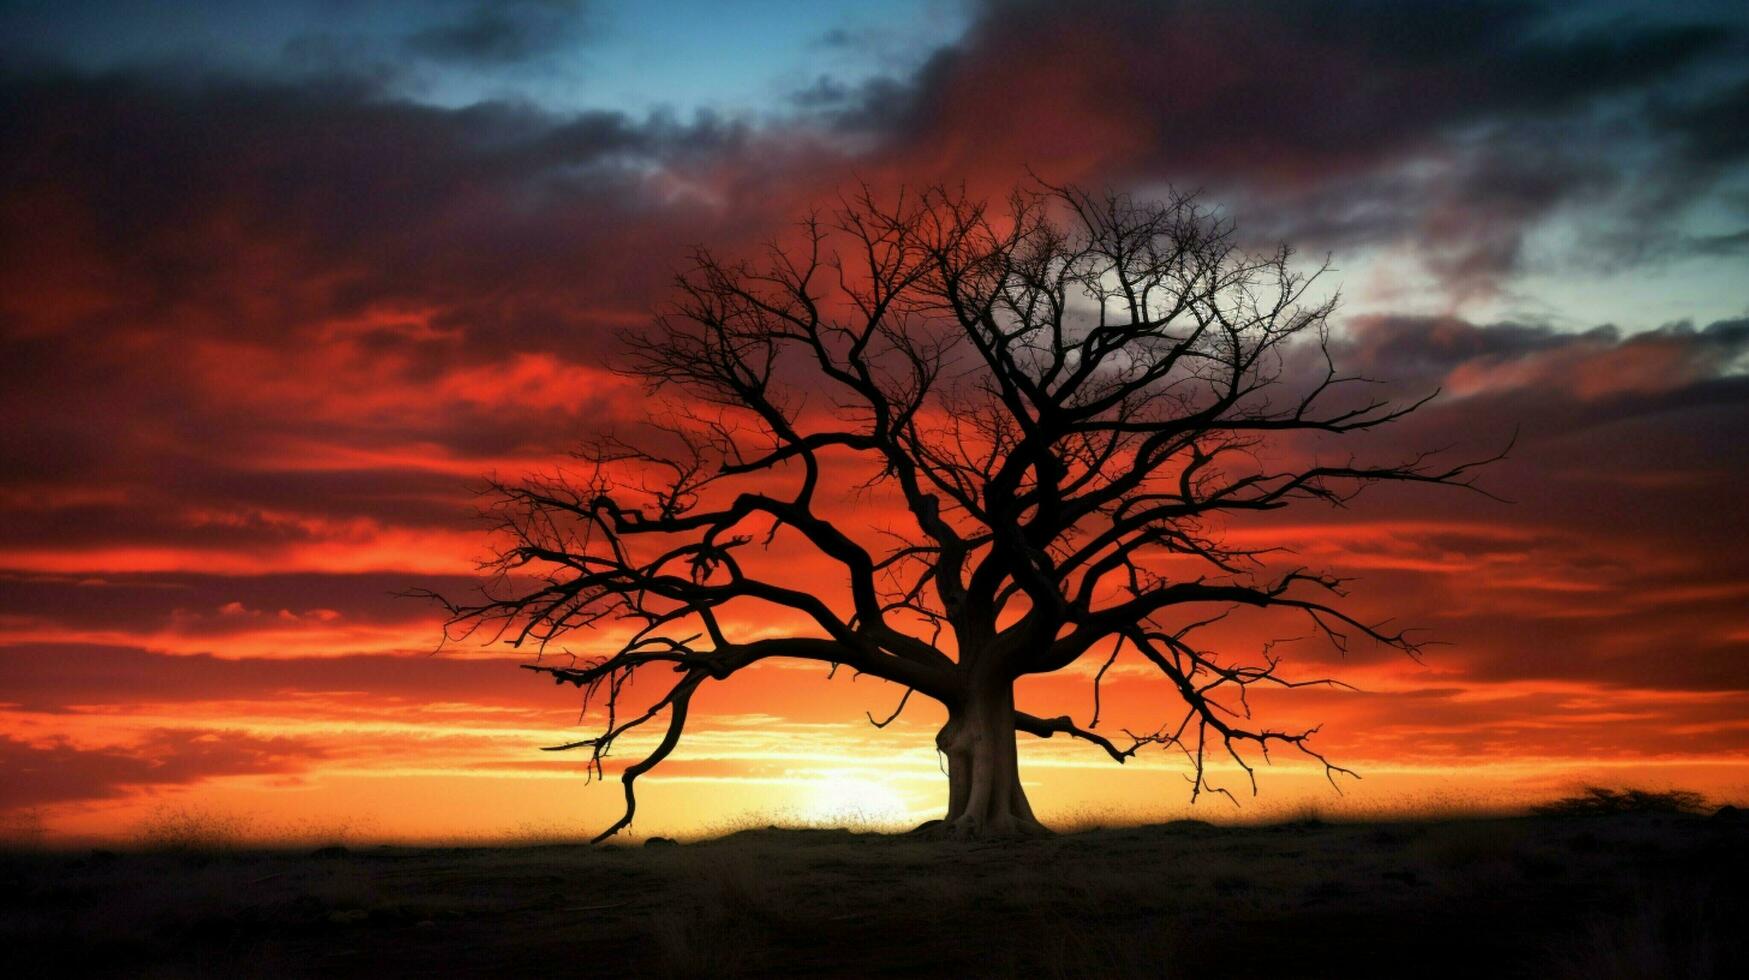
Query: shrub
1599, 801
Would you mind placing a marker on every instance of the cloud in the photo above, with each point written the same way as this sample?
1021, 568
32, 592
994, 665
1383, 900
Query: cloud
186, 607
1606, 565
1735, 243
60, 677
1712, 128
502, 33
1451, 129
1588, 365
57, 771
265, 314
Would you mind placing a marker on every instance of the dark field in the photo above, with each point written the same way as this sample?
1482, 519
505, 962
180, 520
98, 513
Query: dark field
1627, 895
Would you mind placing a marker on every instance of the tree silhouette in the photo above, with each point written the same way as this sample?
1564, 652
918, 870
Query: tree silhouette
1068, 395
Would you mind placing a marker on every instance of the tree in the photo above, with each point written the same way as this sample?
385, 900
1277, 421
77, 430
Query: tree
1064, 394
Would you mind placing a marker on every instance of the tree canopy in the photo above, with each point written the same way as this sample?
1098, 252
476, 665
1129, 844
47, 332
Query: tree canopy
1070, 396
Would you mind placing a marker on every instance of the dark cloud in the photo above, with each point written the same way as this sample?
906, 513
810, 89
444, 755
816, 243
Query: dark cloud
58, 772
214, 189
1605, 563
503, 32
211, 284
1410, 350
1735, 243
825, 92
1715, 127
1450, 127
218, 605
1345, 79
58, 677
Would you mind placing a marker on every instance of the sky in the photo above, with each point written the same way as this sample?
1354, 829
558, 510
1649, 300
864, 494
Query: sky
281, 283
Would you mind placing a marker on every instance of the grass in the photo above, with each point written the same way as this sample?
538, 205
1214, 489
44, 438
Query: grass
1639, 892
203, 830
192, 829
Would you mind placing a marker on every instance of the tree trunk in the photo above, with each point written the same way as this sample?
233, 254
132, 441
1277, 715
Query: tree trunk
985, 798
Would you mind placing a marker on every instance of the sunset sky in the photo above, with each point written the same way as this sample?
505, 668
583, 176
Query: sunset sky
281, 282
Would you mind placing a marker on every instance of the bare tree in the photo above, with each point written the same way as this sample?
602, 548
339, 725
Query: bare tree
1068, 395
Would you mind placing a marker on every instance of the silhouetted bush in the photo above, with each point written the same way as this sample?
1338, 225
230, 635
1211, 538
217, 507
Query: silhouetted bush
1599, 801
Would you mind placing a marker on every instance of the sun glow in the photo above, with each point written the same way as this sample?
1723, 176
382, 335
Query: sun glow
837, 800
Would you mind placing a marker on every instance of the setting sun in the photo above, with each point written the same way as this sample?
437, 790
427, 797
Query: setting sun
838, 800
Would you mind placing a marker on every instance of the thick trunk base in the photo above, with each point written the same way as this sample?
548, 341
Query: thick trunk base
985, 798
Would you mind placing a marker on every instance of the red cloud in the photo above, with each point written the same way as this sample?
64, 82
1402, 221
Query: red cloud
58, 771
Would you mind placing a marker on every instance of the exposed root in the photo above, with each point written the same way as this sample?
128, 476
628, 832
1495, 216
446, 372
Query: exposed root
978, 828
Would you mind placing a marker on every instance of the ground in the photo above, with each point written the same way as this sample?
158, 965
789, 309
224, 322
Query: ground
1626, 895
